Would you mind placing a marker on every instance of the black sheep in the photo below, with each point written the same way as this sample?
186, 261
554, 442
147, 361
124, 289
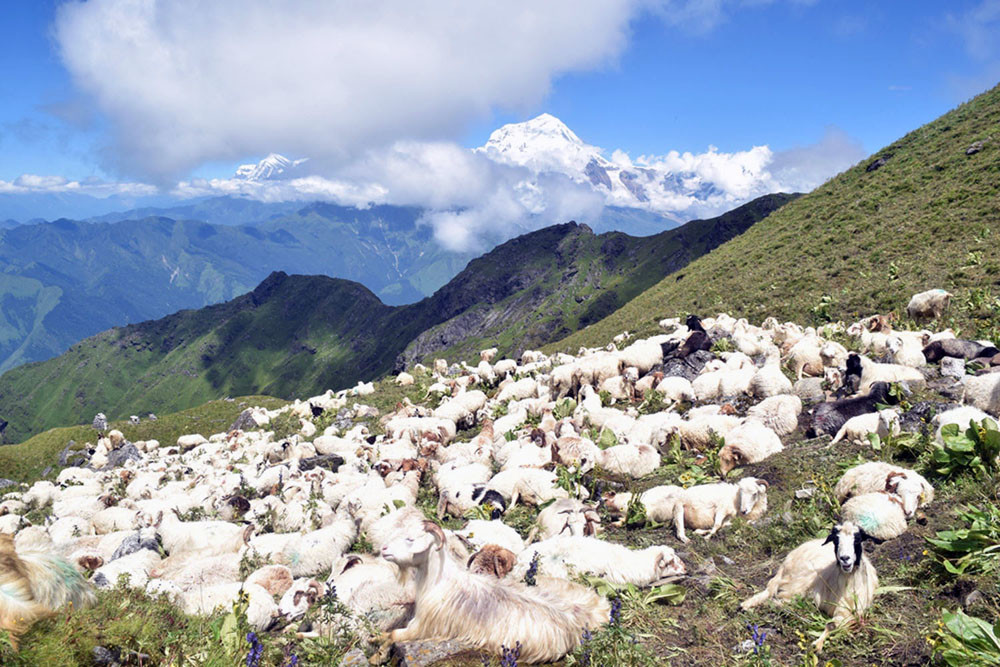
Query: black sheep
956, 347
830, 416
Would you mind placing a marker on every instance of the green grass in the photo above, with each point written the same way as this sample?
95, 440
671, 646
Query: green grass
862, 243
26, 462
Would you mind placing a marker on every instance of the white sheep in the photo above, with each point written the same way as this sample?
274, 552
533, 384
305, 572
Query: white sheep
779, 413
879, 514
657, 501
884, 423
616, 563
750, 442
564, 517
484, 613
983, 392
841, 581
872, 372
478, 533
928, 305
634, 461
769, 380
961, 417
910, 486
676, 388
906, 351
709, 507
261, 611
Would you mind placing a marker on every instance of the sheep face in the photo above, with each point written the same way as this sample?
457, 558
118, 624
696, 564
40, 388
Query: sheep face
909, 490
668, 563
297, 599
847, 539
751, 490
411, 551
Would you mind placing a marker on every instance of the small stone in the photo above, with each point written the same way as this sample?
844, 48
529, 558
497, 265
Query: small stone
708, 567
807, 492
6, 482
974, 148
745, 646
354, 658
127, 452
100, 422
876, 164
787, 518
727, 560
972, 598
953, 367
420, 654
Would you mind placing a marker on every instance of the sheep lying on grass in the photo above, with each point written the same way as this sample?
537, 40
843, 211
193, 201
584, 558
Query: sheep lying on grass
708, 507
841, 581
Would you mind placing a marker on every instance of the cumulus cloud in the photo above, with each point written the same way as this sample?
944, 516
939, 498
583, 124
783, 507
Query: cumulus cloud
185, 82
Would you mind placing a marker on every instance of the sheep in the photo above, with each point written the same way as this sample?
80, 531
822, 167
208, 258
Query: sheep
478, 533
614, 562
841, 581
34, 584
750, 442
697, 432
769, 380
208, 537
642, 354
565, 517
261, 612
884, 423
371, 588
905, 351
404, 379
962, 349
804, 357
879, 514
983, 392
929, 305
137, 566
657, 501
676, 388
275, 579
530, 485
709, 507
462, 409
193, 570
872, 372
779, 413
454, 604
634, 461
910, 486
830, 416
492, 560
960, 416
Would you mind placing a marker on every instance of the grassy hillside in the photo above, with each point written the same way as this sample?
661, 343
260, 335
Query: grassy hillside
864, 242
297, 335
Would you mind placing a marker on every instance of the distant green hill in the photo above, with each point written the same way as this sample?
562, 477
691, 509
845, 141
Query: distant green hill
295, 335
864, 242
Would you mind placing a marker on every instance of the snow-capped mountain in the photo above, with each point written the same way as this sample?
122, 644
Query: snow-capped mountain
272, 167
669, 185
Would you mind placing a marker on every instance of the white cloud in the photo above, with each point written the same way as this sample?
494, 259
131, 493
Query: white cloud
36, 184
185, 82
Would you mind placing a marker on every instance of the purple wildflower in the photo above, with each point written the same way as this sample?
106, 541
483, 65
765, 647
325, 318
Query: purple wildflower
616, 610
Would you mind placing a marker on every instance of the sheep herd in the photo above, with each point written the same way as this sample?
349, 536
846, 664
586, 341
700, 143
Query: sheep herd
205, 519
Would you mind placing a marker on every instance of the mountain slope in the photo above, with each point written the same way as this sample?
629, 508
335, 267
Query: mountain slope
65, 280
863, 242
295, 335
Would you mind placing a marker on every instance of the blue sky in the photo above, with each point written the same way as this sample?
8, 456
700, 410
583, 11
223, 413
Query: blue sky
683, 76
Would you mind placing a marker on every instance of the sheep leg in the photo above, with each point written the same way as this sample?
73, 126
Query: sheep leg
818, 645
720, 518
679, 525
755, 600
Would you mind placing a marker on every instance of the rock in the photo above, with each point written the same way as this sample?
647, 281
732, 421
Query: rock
419, 654
100, 422
972, 598
4, 482
876, 164
245, 422
118, 457
807, 492
64, 455
921, 413
952, 367
810, 390
974, 148
787, 518
45, 473
328, 461
354, 658
708, 567
151, 417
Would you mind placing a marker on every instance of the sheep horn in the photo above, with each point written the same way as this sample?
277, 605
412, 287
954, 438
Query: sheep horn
436, 531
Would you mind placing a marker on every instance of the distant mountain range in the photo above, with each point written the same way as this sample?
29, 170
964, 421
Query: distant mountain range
297, 334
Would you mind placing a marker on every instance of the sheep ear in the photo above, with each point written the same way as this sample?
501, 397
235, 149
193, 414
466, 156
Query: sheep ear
889, 483
832, 535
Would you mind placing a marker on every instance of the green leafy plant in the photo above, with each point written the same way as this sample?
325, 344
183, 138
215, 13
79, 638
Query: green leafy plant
966, 640
973, 450
635, 512
653, 402
976, 548
564, 408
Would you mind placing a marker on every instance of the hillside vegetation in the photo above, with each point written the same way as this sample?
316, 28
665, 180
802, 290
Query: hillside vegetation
294, 335
864, 242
